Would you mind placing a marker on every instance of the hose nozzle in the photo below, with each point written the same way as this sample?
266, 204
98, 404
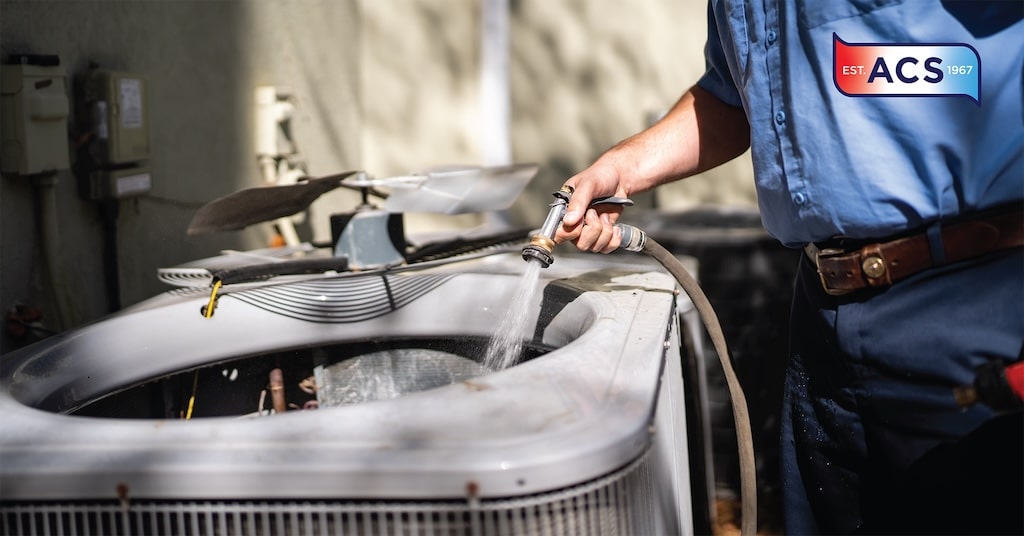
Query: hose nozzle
539, 249
543, 242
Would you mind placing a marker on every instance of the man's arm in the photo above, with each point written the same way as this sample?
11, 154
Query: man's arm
697, 134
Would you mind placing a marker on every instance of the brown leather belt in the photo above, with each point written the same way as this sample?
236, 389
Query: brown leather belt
882, 264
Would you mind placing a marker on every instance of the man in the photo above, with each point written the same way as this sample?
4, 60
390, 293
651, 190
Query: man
897, 301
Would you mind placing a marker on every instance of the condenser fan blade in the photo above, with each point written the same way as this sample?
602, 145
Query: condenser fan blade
462, 189
262, 203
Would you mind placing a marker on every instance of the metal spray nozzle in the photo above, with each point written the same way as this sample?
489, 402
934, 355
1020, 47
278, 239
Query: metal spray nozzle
542, 243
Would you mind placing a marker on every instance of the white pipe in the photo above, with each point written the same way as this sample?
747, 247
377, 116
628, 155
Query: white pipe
495, 100
288, 232
271, 112
494, 83
286, 225
50, 235
268, 168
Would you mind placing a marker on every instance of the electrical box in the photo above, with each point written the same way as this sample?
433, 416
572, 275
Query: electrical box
33, 119
117, 106
119, 183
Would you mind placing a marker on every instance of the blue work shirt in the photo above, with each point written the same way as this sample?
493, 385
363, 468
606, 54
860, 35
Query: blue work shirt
828, 164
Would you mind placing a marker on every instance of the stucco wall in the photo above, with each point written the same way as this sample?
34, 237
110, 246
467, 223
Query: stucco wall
583, 75
419, 76
587, 74
389, 87
202, 61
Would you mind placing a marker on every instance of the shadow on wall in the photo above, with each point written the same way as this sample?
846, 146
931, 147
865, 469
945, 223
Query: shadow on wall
202, 62
419, 77
192, 155
389, 87
588, 74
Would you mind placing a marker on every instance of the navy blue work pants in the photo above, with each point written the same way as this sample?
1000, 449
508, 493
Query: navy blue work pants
869, 388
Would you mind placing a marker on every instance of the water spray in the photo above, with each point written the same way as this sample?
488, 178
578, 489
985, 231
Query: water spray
636, 240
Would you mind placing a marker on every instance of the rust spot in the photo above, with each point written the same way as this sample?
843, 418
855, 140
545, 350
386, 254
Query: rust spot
476, 386
472, 489
122, 495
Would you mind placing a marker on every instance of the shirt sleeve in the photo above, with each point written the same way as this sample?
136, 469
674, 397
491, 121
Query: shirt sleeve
717, 79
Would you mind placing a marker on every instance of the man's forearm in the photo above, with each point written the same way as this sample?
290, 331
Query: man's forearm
699, 132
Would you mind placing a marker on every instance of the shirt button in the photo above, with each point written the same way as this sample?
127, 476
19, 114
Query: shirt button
772, 37
799, 198
780, 117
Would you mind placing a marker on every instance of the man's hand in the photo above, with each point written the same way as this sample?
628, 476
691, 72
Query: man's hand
592, 228
697, 134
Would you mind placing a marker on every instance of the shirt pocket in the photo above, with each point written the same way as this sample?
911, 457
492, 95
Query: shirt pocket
814, 13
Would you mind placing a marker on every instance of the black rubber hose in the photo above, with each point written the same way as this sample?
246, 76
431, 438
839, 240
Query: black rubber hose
634, 239
460, 245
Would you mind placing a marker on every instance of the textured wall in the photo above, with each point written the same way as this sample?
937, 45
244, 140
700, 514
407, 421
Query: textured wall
385, 86
588, 73
203, 61
419, 75
583, 74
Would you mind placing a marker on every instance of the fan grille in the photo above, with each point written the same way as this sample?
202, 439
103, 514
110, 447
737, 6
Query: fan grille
342, 300
621, 503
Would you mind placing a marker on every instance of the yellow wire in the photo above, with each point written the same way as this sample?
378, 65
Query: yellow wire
195, 381
213, 298
192, 399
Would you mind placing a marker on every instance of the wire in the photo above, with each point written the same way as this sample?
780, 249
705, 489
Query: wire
208, 312
192, 399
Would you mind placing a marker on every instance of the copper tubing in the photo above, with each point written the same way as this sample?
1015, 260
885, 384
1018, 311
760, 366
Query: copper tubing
277, 391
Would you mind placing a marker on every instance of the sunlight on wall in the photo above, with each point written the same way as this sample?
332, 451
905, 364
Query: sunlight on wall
419, 77
587, 74
584, 74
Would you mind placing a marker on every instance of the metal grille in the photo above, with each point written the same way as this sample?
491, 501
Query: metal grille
199, 273
185, 277
618, 504
341, 300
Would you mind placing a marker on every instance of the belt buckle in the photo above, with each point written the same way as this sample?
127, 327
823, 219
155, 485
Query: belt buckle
816, 255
